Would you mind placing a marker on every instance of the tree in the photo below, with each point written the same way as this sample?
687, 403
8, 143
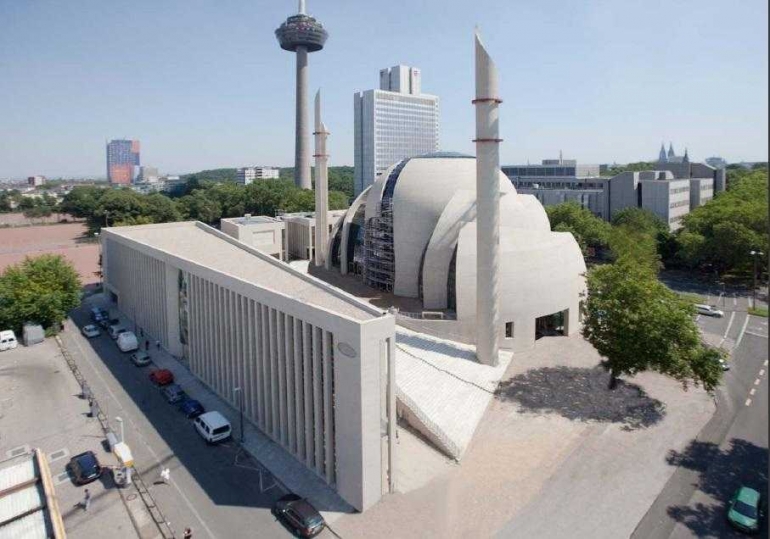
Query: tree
161, 209
40, 290
117, 205
589, 230
199, 207
82, 201
630, 167
638, 324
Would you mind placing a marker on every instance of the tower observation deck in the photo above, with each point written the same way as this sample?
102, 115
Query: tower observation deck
301, 34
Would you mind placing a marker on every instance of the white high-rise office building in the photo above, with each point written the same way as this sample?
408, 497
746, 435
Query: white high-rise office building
246, 175
392, 123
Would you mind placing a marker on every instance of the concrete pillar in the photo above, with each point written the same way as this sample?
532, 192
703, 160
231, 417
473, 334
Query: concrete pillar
321, 186
301, 147
487, 207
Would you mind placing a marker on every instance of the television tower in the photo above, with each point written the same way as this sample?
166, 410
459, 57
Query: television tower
301, 34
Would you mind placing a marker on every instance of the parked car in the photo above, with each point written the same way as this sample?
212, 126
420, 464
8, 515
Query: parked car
709, 310
213, 427
90, 331
116, 329
191, 408
127, 341
84, 468
299, 515
8, 340
97, 314
173, 393
161, 377
105, 323
724, 364
140, 359
745, 510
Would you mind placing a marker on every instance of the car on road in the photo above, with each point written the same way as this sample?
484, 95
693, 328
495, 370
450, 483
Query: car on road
127, 342
115, 330
84, 468
161, 377
173, 393
141, 359
90, 331
105, 323
213, 427
97, 314
191, 408
744, 512
8, 340
299, 515
724, 364
708, 310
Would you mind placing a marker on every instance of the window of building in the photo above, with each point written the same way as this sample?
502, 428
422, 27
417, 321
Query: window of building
509, 330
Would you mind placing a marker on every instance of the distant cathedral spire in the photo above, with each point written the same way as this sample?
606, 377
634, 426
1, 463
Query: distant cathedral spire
686, 158
662, 154
671, 153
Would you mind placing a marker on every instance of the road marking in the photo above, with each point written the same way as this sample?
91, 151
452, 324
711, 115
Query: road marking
138, 433
748, 402
756, 382
735, 300
729, 325
740, 335
761, 372
760, 335
753, 390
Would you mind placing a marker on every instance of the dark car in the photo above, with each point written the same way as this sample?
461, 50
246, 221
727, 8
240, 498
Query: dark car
96, 314
106, 322
297, 513
84, 468
191, 408
161, 377
173, 393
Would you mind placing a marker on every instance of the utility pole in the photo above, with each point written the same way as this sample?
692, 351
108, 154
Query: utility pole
754, 256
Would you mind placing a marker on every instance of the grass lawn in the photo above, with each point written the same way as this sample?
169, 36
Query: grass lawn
692, 298
759, 311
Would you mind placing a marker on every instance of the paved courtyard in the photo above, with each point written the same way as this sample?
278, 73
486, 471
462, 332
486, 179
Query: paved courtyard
556, 455
40, 407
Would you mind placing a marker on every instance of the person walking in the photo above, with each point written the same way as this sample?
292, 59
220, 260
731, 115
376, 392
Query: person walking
165, 476
187, 533
147, 346
86, 503
157, 345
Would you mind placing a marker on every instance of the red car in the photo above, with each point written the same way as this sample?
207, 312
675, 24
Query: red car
161, 377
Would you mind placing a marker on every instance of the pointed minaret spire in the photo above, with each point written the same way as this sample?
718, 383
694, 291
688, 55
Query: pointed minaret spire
662, 155
301, 7
487, 207
321, 186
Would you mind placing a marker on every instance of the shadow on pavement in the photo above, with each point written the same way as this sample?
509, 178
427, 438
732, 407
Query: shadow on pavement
582, 395
721, 473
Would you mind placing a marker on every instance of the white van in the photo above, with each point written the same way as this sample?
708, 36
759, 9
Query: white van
7, 340
212, 426
116, 329
127, 342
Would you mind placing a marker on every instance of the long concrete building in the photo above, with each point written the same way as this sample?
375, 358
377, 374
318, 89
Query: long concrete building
315, 364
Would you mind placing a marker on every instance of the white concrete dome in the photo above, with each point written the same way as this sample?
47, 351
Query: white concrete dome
413, 233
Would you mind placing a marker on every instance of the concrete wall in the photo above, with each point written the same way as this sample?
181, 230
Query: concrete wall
311, 379
701, 191
267, 237
668, 199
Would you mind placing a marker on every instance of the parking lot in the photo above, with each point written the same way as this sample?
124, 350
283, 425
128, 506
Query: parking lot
217, 490
40, 406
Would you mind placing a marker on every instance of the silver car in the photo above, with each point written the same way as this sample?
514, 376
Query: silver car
708, 310
140, 359
90, 331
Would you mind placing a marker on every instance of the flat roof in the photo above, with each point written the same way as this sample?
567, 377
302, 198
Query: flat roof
253, 220
208, 247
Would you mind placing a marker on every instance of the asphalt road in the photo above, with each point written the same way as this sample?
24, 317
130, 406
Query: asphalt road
218, 491
732, 449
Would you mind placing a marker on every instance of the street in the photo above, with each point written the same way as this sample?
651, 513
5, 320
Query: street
218, 491
732, 449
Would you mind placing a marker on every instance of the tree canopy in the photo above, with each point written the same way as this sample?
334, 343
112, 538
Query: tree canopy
589, 231
40, 290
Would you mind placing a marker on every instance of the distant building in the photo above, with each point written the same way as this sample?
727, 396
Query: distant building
148, 175
392, 123
716, 162
246, 175
36, 181
122, 160
670, 156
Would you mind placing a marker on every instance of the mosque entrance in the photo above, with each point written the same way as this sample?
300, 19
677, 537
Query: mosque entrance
550, 325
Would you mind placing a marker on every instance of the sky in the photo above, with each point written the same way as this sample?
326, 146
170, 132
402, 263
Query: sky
203, 83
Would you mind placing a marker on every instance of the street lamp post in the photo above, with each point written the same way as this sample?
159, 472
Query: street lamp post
240, 408
122, 432
754, 256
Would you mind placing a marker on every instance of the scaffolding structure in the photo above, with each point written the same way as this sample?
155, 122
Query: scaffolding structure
379, 259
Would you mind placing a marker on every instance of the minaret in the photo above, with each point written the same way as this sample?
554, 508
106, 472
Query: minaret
301, 34
662, 155
321, 186
487, 207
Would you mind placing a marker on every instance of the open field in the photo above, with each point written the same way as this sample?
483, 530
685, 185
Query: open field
65, 239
